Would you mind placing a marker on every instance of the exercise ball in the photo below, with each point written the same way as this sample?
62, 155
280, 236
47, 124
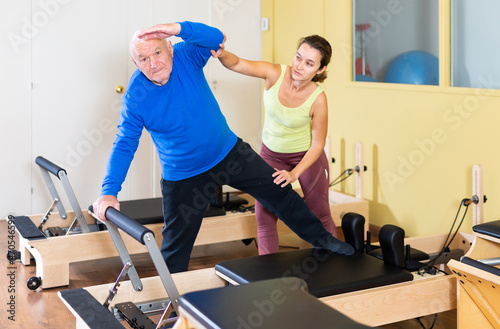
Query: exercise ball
365, 78
413, 67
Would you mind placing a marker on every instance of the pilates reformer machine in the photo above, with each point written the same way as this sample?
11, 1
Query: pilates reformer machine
266, 304
362, 287
46, 237
39, 229
371, 290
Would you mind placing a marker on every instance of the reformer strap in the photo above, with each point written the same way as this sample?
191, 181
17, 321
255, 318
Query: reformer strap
128, 225
49, 166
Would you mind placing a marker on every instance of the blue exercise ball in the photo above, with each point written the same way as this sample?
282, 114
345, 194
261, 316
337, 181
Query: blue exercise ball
365, 78
413, 67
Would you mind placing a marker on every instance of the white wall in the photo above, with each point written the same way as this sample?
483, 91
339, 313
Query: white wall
15, 110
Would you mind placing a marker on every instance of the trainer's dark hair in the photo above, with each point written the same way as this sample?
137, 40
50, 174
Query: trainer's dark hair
323, 46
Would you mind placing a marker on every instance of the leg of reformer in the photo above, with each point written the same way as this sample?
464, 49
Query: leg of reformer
53, 271
23, 249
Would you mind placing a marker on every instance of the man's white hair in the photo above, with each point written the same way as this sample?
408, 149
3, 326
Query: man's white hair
135, 40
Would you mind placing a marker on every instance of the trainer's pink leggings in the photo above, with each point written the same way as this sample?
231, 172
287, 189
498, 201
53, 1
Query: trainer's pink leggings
314, 183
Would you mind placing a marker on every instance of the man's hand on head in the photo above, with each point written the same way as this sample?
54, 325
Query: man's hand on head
160, 31
102, 203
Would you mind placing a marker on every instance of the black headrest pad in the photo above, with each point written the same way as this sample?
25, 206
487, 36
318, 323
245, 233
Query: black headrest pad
490, 228
353, 227
391, 239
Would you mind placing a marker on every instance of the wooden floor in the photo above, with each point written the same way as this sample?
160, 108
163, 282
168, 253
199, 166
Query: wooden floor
43, 309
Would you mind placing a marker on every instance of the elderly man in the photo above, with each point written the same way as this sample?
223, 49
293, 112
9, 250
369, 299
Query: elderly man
169, 96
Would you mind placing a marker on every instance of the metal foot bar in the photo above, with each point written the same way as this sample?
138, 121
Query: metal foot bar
115, 220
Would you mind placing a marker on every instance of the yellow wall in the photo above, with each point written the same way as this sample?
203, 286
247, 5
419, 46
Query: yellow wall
420, 142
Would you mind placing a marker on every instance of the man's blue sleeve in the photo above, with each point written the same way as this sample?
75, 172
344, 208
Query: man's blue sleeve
201, 35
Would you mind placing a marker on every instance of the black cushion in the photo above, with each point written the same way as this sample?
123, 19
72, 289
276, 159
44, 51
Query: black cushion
324, 272
150, 211
353, 227
265, 304
415, 254
94, 314
490, 228
27, 229
145, 211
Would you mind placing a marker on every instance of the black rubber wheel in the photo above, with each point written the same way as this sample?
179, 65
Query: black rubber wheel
34, 282
11, 255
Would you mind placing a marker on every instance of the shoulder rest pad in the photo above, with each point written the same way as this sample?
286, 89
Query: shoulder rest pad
490, 228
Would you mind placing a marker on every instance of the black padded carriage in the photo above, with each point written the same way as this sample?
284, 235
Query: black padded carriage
324, 272
327, 273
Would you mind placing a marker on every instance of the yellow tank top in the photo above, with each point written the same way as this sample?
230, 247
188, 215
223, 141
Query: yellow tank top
287, 130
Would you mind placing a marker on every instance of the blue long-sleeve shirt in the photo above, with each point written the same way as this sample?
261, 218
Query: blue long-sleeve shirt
183, 117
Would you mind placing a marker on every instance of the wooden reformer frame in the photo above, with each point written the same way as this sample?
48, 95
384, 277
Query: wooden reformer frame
478, 291
426, 294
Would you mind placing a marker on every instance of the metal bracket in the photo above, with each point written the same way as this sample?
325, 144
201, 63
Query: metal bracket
74, 204
446, 256
134, 316
47, 214
54, 231
114, 289
53, 193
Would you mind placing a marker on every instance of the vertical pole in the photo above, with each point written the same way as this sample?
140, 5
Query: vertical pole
360, 173
477, 189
